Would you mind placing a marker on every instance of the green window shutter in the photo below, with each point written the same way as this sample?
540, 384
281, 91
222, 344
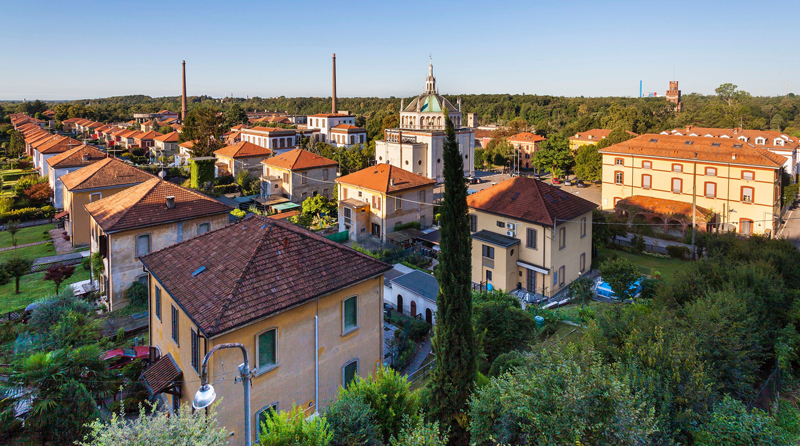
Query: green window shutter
350, 373
350, 313
266, 349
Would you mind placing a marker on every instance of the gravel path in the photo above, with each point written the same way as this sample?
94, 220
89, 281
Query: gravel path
62, 246
22, 246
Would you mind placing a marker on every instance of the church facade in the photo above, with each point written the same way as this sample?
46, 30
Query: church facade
418, 144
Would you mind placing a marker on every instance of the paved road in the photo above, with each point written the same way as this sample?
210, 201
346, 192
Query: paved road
791, 230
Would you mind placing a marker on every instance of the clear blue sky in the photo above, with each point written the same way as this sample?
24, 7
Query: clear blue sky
88, 49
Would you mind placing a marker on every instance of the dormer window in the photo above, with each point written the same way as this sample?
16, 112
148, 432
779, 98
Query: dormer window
743, 138
760, 140
778, 142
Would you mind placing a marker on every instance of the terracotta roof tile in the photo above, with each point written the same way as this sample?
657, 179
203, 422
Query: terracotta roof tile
595, 134
699, 148
663, 206
268, 130
330, 115
75, 157
145, 205
253, 269
379, 178
59, 144
169, 137
299, 159
349, 128
147, 135
161, 375
526, 137
243, 149
106, 173
529, 200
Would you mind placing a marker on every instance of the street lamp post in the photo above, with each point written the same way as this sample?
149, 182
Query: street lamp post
206, 395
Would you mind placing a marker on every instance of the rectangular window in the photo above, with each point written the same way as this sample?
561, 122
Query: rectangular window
746, 226
350, 314
158, 302
747, 194
562, 238
583, 227
324, 174
677, 168
677, 185
488, 275
488, 252
530, 239
501, 224
619, 162
711, 190
263, 414
583, 262
398, 203
267, 349
202, 228
473, 223
286, 178
175, 325
618, 177
561, 276
422, 196
95, 196
646, 181
711, 171
195, 351
647, 165
142, 245
555, 277
376, 202
349, 373
748, 175
304, 177
360, 194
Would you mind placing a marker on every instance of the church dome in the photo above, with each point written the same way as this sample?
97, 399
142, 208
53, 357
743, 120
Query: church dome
430, 103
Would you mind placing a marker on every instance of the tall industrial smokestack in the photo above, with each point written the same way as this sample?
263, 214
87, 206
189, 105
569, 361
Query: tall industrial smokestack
333, 102
183, 98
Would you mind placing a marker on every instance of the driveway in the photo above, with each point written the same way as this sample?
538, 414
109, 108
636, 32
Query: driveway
791, 229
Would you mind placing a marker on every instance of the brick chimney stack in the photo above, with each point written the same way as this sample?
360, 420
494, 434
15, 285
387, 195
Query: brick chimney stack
183, 97
333, 101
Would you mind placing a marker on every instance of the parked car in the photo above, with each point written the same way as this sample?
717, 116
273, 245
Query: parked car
474, 180
556, 180
568, 182
580, 183
120, 357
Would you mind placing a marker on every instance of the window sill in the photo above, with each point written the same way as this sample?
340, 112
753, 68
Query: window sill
267, 369
350, 330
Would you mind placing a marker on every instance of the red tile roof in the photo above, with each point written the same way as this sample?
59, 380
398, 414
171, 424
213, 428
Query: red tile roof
147, 135
526, 137
78, 157
379, 178
348, 128
252, 269
269, 130
243, 149
169, 137
59, 144
330, 115
529, 200
299, 159
596, 134
663, 206
145, 205
109, 172
723, 150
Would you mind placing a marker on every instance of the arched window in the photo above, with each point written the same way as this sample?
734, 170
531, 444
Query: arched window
429, 316
413, 312
400, 304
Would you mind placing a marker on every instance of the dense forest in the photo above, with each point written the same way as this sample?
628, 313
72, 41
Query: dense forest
728, 108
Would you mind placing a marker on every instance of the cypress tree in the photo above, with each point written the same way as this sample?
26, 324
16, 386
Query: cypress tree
454, 341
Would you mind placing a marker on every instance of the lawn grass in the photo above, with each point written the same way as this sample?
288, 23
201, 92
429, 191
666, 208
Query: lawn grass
31, 288
647, 265
25, 235
29, 252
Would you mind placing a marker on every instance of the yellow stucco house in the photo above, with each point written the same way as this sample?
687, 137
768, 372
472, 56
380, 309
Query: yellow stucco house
269, 285
374, 200
298, 174
736, 185
142, 219
529, 238
589, 137
91, 183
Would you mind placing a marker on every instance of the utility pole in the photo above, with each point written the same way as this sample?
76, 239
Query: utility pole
694, 206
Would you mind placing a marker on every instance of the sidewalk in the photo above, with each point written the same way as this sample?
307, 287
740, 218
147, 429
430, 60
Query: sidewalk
419, 357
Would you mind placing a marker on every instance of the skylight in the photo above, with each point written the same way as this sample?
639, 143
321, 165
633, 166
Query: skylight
688, 143
654, 140
715, 144
198, 271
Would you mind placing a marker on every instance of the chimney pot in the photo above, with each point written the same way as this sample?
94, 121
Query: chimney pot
171, 202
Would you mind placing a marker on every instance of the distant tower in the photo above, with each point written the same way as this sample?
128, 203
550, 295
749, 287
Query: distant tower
674, 95
430, 81
183, 97
333, 101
